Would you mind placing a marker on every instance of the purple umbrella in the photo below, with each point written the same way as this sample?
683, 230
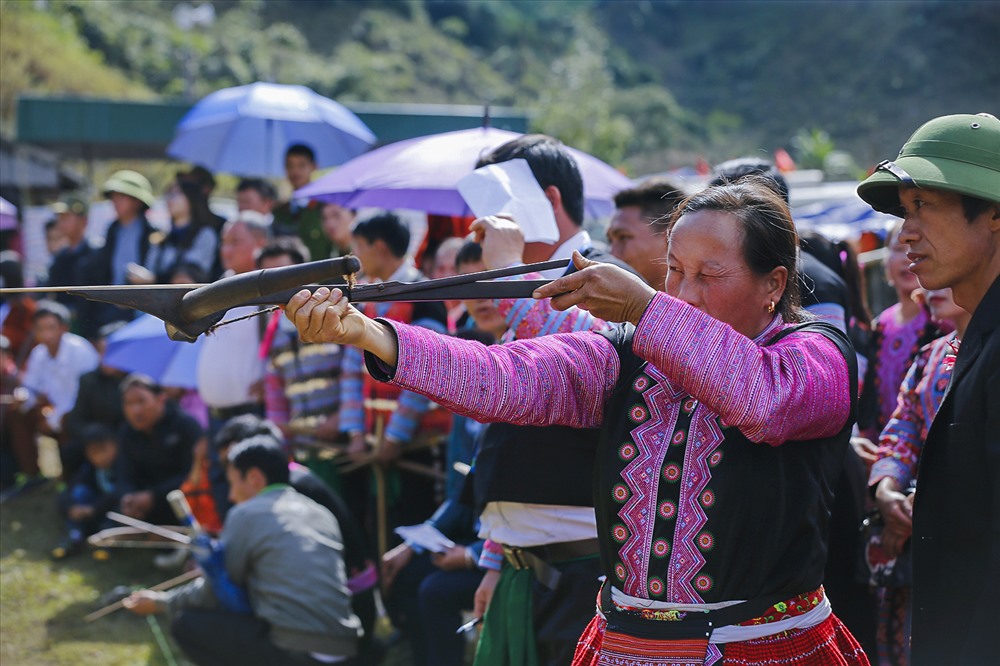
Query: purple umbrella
423, 174
8, 215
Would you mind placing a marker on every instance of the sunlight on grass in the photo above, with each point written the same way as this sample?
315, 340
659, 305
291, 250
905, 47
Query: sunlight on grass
42, 602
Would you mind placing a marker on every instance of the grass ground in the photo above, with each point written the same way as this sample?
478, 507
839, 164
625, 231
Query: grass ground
42, 603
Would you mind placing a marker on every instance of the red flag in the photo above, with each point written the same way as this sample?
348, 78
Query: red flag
783, 161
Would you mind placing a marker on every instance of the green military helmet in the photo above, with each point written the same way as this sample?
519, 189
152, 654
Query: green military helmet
959, 153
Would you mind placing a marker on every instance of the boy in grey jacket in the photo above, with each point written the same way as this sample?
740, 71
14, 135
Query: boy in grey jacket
286, 551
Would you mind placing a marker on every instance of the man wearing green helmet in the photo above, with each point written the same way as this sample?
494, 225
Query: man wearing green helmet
945, 184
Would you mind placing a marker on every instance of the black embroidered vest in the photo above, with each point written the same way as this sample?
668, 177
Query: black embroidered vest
730, 519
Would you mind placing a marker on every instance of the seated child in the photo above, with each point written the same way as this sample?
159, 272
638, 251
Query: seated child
91, 493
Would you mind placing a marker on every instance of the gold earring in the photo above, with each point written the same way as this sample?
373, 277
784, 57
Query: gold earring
770, 308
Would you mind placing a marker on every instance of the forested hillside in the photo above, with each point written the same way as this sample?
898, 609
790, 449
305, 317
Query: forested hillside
644, 84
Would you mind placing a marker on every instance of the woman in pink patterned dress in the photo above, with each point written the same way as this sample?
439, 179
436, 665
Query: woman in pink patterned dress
898, 333
724, 419
895, 470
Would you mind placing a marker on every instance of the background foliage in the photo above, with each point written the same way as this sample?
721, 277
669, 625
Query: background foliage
647, 83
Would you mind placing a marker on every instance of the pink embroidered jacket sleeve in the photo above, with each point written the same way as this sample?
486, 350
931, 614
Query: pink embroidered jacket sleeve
795, 389
531, 318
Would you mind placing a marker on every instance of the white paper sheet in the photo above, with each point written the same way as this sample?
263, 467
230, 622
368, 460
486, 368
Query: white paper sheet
510, 188
426, 536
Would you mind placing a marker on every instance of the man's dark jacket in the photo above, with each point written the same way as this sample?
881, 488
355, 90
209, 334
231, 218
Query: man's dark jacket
95, 268
956, 520
158, 461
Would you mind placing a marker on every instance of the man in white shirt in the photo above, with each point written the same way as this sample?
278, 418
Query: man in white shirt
230, 371
51, 379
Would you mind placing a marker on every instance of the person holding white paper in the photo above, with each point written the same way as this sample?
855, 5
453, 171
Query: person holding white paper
557, 174
537, 516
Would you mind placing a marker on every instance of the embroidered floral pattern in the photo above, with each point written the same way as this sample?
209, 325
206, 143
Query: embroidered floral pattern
686, 558
792, 607
640, 384
641, 475
706, 541
638, 414
667, 510
620, 493
656, 586
707, 498
627, 451
661, 548
662, 615
619, 533
672, 472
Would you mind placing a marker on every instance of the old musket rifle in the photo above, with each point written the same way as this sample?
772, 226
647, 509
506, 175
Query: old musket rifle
190, 310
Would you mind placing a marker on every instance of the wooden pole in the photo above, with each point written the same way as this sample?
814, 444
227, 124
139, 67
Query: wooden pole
165, 585
149, 527
381, 508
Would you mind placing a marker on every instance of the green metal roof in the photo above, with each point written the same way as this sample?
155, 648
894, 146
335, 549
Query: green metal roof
108, 129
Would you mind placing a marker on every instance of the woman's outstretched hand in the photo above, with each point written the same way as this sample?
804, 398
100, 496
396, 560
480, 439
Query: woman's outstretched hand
327, 316
604, 290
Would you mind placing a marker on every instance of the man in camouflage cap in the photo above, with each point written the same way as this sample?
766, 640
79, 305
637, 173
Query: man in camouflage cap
945, 184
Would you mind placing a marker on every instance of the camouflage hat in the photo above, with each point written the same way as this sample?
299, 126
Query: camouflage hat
70, 203
132, 183
959, 153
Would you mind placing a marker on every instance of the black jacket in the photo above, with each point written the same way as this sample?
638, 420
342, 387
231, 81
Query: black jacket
499, 472
96, 269
99, 400
160, 460
956, 519
98, 264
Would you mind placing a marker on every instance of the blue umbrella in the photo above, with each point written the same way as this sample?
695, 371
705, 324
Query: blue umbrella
840, 220
142, 346
246, 129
